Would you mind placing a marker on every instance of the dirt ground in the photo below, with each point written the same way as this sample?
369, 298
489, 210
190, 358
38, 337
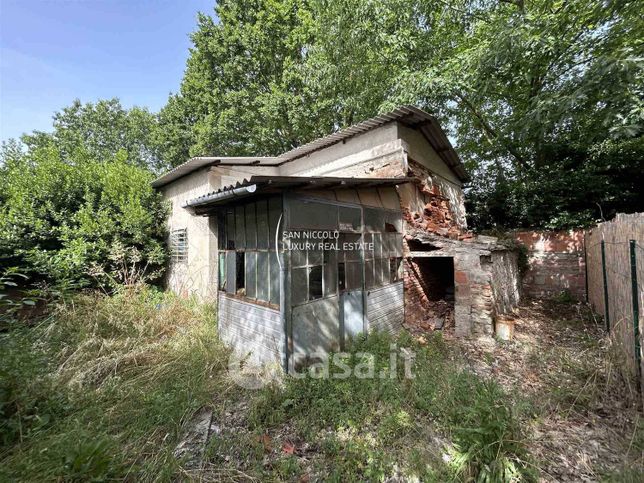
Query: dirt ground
586, 424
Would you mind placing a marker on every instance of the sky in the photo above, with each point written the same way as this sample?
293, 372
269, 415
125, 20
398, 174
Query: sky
54, 51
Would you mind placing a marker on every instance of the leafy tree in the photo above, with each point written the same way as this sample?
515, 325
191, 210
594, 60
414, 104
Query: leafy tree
100, 130
244, 91
529, 91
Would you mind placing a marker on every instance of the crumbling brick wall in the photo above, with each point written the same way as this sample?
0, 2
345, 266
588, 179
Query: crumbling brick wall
556, 263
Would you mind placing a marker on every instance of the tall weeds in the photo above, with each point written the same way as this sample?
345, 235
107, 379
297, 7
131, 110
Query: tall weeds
103, 386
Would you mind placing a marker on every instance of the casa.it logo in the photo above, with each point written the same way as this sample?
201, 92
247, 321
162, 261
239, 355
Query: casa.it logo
247, 374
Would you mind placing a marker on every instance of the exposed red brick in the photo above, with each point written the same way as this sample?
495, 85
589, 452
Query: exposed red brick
460, 277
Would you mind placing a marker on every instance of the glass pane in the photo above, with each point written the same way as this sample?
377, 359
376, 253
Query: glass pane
350, 218
262, 224
351, 245
395, 269
377, 245
388, 242
394, 221
251, 274
275, 278
298, 257
398, 245
368, 246
221, 279
262, 276
274, 212
299, 290
330, 278
369, 277
315, 282
221, 231
240, 235
308, 214
231, 272
251, 226
382, 271
315, 257
353, 276
230, 230
374, 220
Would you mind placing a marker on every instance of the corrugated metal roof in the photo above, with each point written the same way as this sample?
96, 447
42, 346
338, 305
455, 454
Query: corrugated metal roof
194, 164
273, 184
408, 115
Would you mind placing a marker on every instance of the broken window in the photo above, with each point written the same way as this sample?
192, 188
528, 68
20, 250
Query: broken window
245, 266
240, 273
395, 269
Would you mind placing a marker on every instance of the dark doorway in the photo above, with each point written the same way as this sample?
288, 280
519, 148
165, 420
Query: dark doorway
433, 278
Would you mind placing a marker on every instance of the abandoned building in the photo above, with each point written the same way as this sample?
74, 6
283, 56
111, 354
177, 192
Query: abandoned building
360, 230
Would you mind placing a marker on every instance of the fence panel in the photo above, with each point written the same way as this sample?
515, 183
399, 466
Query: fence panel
618, 275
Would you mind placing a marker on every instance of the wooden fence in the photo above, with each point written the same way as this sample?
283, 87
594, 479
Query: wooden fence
615, 271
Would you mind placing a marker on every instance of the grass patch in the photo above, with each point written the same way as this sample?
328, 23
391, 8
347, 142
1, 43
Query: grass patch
375, 428
101, 388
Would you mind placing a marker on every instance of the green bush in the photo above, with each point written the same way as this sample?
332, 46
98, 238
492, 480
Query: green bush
79, 220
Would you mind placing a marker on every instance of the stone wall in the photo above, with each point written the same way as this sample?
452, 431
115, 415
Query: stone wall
556, 263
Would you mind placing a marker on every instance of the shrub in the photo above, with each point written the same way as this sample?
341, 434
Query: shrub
75, 220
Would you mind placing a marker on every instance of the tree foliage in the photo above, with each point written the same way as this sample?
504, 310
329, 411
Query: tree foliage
531, 92
99, 130
76, 205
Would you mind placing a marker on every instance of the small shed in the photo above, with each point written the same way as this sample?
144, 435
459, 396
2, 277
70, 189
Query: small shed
306, 263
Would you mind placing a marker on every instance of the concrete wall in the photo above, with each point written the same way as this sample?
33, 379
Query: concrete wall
375, 143
555, 263
197, 275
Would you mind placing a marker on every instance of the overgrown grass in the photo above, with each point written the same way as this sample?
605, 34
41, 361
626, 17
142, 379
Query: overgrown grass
104, 387
378, 427
100, 388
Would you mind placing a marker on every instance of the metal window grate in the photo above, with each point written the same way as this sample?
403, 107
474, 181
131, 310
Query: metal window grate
179, 245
